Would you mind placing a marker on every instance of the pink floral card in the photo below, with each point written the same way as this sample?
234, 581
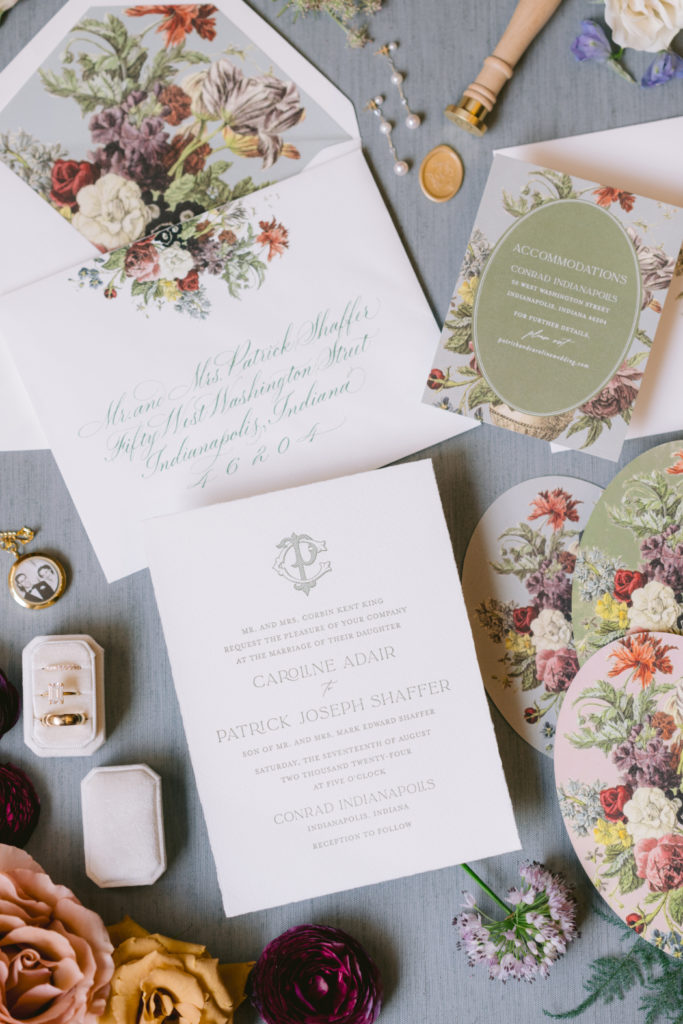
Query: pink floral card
121, 120
517, 582
555, 310
618, 773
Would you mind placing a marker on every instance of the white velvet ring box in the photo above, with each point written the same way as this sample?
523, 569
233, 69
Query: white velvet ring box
123, 825
63, 688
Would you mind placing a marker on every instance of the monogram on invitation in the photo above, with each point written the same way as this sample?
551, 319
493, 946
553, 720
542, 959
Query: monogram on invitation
330, 691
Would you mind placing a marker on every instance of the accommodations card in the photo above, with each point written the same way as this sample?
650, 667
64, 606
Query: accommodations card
330, 692
274, 341
556, 307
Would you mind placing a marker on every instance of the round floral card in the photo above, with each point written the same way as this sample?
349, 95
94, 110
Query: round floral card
618, 772
629, 573
517, 582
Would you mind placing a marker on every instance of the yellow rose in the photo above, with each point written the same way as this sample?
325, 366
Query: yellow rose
159, 980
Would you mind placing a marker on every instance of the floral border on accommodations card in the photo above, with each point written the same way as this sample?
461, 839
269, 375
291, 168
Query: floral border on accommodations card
160, 109
629, 572
516, 191
618, 775
517, 582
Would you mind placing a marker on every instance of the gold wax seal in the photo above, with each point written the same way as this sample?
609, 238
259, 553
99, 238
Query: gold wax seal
441, 174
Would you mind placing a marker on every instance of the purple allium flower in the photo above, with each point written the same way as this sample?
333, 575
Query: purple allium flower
10, 703
20, 803
664, 67
315, 973
105, 126
662, 562
592, 43
536, 932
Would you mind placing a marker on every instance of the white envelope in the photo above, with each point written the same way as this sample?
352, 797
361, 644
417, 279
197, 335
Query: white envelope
42, 241
646, 159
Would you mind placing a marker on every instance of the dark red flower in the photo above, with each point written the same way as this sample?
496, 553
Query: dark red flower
436, 379
531, 715
194, 162
178, 101
190, 283
10, 704
20, 805
523, 617
607, 196
313, 974
68, 178
613, 801
567, 561
180, 19
110, 292
142, 261
617, 395
625, 582
636, 922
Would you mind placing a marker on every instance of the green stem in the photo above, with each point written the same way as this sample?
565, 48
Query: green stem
489, 892
19, 157
190, 148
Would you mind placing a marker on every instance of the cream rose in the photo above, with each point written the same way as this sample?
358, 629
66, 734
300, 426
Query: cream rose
158, 980
174, 262
653, 607
111, 212
551, 631
644, 24
650, 814
55, 955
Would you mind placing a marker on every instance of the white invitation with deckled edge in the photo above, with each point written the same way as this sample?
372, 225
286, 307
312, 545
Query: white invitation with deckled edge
329, 688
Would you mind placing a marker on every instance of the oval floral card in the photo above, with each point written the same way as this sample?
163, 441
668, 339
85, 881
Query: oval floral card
629, 573
517, 582
618, 773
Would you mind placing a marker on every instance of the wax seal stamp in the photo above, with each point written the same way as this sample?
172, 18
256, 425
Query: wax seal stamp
441, 174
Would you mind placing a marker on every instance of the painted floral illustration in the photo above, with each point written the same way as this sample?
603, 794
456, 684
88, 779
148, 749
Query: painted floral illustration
168, 266
458, 384
535, 645
168, 125
618, 766
615, 594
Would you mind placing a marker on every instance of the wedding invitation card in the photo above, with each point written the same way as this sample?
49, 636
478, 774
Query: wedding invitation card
270, 342
556, 307
329, 688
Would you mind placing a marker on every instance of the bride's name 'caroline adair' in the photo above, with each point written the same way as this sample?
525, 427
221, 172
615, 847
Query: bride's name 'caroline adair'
325, 667
325, 712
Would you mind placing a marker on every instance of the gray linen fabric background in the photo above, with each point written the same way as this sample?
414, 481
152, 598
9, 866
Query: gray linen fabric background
406, 924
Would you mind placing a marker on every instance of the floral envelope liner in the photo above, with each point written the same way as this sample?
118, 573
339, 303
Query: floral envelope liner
629, 571
149, 115
517, 582
618, 772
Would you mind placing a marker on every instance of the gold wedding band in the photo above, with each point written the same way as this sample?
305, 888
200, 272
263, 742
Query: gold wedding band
68, 718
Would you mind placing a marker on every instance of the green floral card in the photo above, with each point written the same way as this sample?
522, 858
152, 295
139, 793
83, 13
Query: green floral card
556, 307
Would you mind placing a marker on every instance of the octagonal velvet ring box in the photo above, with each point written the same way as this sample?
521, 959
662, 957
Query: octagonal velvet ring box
123, 826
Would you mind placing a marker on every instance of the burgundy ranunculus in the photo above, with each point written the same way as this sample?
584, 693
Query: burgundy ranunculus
68, 178
523, 617
178, 102
142, 261
20, 805
636, 922
613, 801
10, 704
556, 669
313, 974
190, 283
625, 582
616, 397
531, 715
660, 861
436, 379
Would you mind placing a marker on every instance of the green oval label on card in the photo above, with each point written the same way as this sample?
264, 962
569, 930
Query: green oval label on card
556, 307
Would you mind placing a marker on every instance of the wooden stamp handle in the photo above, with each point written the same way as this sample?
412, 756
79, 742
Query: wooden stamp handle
527, 20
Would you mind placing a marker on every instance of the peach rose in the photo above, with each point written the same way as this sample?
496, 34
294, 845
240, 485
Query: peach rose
55, 955
158, 980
